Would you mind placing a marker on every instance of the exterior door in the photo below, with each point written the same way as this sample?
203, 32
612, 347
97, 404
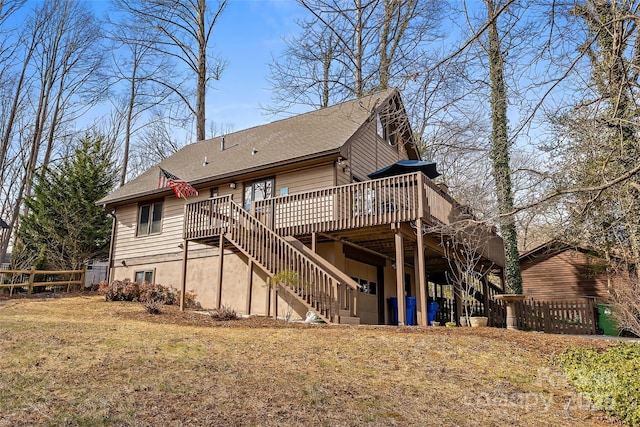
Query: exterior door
258, 190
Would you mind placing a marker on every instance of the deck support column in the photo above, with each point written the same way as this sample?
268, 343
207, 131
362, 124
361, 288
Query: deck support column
274, 299
485, 295
220, 266
502, 282
249, 287
421, 277
183, 278
267, 307
400, 277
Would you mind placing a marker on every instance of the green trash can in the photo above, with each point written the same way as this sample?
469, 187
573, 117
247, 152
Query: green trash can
606, 321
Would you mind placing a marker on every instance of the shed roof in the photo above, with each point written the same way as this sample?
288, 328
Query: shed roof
553, 247
307, 135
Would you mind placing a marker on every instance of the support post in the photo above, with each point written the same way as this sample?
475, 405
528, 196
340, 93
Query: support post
485, 295
274, 289
249, 287
32, 277
267, 308
314, 242
83, 277
220, 267
183, 278
502, 282
421, 277
400, 277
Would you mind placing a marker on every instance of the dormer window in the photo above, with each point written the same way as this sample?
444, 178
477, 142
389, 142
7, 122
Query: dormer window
379, 127
382, 130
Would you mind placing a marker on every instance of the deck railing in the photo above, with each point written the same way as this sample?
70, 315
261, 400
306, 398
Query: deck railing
363, 204
382, 201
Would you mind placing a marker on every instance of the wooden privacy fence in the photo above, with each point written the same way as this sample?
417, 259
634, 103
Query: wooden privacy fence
27, 279
576, 317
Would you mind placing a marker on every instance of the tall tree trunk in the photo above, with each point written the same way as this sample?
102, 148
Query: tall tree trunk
359, 54
129, 123
326, 69
500, 155
202, 72
384, 45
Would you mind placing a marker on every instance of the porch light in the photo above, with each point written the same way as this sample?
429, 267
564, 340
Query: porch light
232, 185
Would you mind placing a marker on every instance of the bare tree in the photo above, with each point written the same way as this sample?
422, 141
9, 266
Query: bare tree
182, 30
625, 294
348, 48
464, 243
135, 67
55, 83
156, 142
597, 176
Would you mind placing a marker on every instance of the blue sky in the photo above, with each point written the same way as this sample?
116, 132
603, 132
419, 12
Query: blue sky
247, 35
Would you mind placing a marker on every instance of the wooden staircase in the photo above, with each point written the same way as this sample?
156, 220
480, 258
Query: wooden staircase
306, 276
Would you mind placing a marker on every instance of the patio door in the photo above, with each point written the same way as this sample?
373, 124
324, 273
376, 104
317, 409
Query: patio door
258, 190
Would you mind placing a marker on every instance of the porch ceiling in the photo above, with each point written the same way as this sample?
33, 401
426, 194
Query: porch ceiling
381, 239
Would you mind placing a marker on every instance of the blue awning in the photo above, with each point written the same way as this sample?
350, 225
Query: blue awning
406, 166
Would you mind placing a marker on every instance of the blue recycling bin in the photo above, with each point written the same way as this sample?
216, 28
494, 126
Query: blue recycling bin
410, 308
432, 311
393, 310
410, 304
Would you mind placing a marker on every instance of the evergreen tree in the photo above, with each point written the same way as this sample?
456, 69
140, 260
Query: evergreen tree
63, 227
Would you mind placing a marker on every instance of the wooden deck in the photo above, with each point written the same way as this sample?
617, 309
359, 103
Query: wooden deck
351, 207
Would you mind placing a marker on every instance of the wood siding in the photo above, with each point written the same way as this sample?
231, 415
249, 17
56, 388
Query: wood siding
564, 275
307, 179
367, 152
128, 245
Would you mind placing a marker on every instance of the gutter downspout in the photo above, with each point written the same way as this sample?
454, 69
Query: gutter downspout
112, 213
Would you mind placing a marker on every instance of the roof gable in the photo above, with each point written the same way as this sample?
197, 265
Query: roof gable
304, 136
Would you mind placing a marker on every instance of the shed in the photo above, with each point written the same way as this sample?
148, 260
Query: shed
559, 270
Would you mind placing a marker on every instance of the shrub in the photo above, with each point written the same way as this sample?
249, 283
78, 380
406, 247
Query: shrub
152, 306
120, 290
610, 379
189, 299
223, 313
152, 295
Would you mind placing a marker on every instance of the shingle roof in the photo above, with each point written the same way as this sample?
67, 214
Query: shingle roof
309, 134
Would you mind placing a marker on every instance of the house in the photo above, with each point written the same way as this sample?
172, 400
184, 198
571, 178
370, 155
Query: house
288, 220
559, 270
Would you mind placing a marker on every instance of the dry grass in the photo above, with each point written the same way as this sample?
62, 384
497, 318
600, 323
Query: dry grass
82, 361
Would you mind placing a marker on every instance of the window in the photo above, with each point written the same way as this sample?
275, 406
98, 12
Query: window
256, 191
144, 276
380, 127
150, 219
364, 202
366, 287
213, 192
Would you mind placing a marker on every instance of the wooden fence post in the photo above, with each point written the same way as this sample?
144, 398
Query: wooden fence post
32, 277
83, 278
